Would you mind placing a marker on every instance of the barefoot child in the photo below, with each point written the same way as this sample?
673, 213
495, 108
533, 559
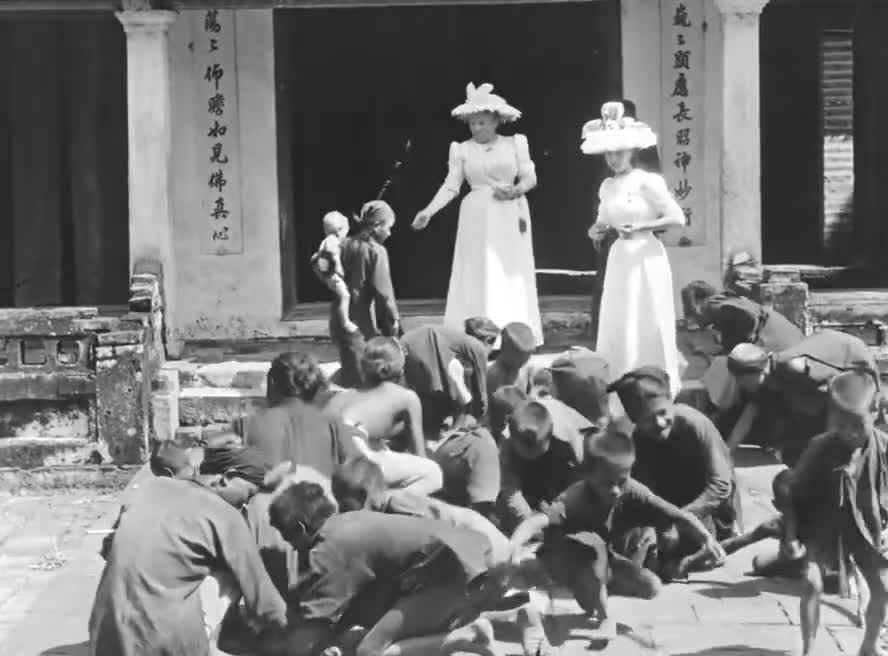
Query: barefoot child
412, 582
835, 500
328, 263
577, 549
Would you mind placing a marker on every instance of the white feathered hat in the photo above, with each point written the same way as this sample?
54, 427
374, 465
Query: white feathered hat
482, 99
614, 131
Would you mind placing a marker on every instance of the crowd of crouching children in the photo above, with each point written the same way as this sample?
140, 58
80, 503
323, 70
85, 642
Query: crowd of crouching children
413, 513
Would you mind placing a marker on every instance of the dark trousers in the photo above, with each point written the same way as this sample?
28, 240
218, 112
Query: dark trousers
350, 347
590, 568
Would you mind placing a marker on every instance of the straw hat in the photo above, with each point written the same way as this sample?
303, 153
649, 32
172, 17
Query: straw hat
482, 99
614, 131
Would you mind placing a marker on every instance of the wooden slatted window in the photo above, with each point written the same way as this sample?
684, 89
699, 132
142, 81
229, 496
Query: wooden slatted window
837, 105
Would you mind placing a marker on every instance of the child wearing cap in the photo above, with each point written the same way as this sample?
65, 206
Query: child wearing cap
327, 261
787, 391
535, 467
578, 544
835, 500
510, 367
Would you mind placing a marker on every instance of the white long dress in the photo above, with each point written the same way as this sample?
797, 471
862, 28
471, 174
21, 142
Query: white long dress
493, 272
637, 320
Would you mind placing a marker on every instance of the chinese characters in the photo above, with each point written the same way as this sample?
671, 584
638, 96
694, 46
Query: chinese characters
681, 142
215, 70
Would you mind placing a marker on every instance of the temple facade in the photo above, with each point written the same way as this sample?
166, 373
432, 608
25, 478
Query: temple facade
209, 137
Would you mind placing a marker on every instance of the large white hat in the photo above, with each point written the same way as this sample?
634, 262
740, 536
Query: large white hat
614, 131
482, 99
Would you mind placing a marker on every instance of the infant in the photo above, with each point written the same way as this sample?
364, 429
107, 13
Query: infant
328, 264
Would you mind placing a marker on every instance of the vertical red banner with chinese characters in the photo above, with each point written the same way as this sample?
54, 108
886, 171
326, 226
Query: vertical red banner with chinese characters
218, 132
683, 122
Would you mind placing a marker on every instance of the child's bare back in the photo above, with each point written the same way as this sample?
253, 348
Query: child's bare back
386, 411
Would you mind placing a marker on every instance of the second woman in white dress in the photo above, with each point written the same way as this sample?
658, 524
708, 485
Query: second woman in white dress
493, 273
637, 325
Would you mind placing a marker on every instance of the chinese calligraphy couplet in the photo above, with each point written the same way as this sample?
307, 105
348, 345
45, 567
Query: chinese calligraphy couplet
218, 144
681, 141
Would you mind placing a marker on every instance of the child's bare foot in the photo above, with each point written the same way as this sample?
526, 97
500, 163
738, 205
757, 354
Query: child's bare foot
604, 634
476, 638
792, 550
533, 634
350, 327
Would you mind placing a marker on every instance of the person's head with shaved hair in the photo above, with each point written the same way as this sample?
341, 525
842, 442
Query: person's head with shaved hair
646, 396
530, 429
608, 459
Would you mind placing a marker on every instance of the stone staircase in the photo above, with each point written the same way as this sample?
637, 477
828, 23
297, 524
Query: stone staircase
216, 383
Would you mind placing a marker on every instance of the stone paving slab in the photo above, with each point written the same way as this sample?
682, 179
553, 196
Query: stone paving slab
718, 613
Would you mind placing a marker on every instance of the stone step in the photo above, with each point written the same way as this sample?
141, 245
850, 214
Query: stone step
30, 452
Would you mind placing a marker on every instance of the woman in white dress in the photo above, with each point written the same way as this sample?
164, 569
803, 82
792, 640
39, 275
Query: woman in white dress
637, 325
493, 272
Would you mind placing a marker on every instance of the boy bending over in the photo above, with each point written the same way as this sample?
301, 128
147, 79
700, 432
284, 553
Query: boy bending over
414, 582
577, 549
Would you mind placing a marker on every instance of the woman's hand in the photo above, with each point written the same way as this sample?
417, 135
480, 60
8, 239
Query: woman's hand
507, 192
627, 230
421, 221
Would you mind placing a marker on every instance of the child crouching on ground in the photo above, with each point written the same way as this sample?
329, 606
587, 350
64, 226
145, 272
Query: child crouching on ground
577, 549
536, 467
327, 262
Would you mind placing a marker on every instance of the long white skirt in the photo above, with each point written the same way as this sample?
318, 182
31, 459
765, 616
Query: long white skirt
637, 320
493, 272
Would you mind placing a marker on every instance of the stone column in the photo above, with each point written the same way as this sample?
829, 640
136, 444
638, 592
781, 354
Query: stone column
149, 113
741, 198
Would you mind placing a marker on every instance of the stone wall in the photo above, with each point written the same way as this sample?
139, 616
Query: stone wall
75, 385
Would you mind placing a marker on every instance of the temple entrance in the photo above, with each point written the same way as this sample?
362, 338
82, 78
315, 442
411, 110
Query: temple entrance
824, 99
354, 85
64, 227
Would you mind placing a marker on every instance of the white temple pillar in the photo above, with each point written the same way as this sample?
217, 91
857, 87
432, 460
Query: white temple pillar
149, 115
741, 198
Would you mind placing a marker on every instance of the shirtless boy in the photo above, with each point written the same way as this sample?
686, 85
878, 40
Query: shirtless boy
387, 412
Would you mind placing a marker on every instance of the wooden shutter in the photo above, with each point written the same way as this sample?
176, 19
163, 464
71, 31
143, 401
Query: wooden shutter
837, 105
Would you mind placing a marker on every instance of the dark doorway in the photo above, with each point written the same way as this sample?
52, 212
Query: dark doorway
63, 160
355, 84
822, 140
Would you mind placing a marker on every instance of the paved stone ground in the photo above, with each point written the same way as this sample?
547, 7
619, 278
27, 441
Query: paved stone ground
39, 536
723, 612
